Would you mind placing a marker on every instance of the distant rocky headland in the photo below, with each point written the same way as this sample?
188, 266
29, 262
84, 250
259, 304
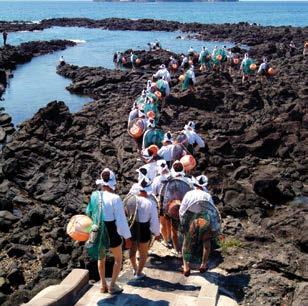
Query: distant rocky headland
165, 0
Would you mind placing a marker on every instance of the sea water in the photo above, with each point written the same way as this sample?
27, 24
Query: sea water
36, 83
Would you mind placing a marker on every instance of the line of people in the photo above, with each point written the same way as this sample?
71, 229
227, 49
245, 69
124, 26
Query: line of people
166, 202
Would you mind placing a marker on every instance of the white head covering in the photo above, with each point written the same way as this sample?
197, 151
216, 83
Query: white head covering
145, 185
151, 123
162, 166
190, 126
141, 113
168, 137
175, 173
162, 66
142, 172
111, 182
201, 181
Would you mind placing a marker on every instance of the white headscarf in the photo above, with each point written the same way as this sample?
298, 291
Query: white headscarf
111, 182
190, 126
145, 185
201, 181
175, 173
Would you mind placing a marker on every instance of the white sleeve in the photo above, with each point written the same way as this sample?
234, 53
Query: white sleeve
162, 152
167, 89
183, 206
199, 141
157, 74
120, 219
154, 222
155, 186
193, 77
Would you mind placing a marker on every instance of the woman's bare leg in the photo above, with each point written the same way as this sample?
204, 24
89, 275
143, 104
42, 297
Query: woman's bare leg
206, 253
117, 254
101, 271
143, 249
132, 255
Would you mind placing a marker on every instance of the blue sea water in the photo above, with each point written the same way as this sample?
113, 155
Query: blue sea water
36, 83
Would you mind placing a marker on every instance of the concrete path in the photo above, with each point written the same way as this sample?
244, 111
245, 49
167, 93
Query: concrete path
163, 285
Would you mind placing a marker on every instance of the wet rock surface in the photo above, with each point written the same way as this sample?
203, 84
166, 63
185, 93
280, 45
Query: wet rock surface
256, 162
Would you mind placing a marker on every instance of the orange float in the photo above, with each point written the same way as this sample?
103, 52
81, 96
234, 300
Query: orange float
151, 114
79, 227
236, 61
181, 77
158, 94
124, 60
253, 67
153, 149
271, 71
174, 66
219, 57
190, 62
138, 61
188, 162
136, 131
173, 209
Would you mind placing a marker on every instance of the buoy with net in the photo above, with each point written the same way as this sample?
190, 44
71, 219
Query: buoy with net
138, 61
153, 149
253, 67
271, 71
219, 57
79, 227
158, 94
136, 128
188, 162
181, 77
236, 61
151, 114
124, 60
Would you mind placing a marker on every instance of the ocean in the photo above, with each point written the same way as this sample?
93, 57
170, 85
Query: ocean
36, 83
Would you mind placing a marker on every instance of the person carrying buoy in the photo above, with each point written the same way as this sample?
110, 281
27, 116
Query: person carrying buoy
190, 80
106, 210
193, 138
134, 113
196, 225
133, 58
163, 86
145, 225
204, 59
165, 152
248, 67
115, 60
263, 69
184, 63
173, 65
162, 72
163, 175
292, 48
119, 60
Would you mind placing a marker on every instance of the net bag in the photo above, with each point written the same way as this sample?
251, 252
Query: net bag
153, 136
136, 128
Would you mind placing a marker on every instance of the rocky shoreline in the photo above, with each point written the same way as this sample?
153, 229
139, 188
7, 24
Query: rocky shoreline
256, 161
243, 32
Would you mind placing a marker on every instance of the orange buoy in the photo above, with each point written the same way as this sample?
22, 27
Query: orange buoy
190, 62
138, 61
174, 66
188, 162
219, 57
173, 209
79, 227
253, 67
153, 85
236, 61
136, 131
124, 60
153, 149
158, 94
181, 77
271, 71
151, 114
